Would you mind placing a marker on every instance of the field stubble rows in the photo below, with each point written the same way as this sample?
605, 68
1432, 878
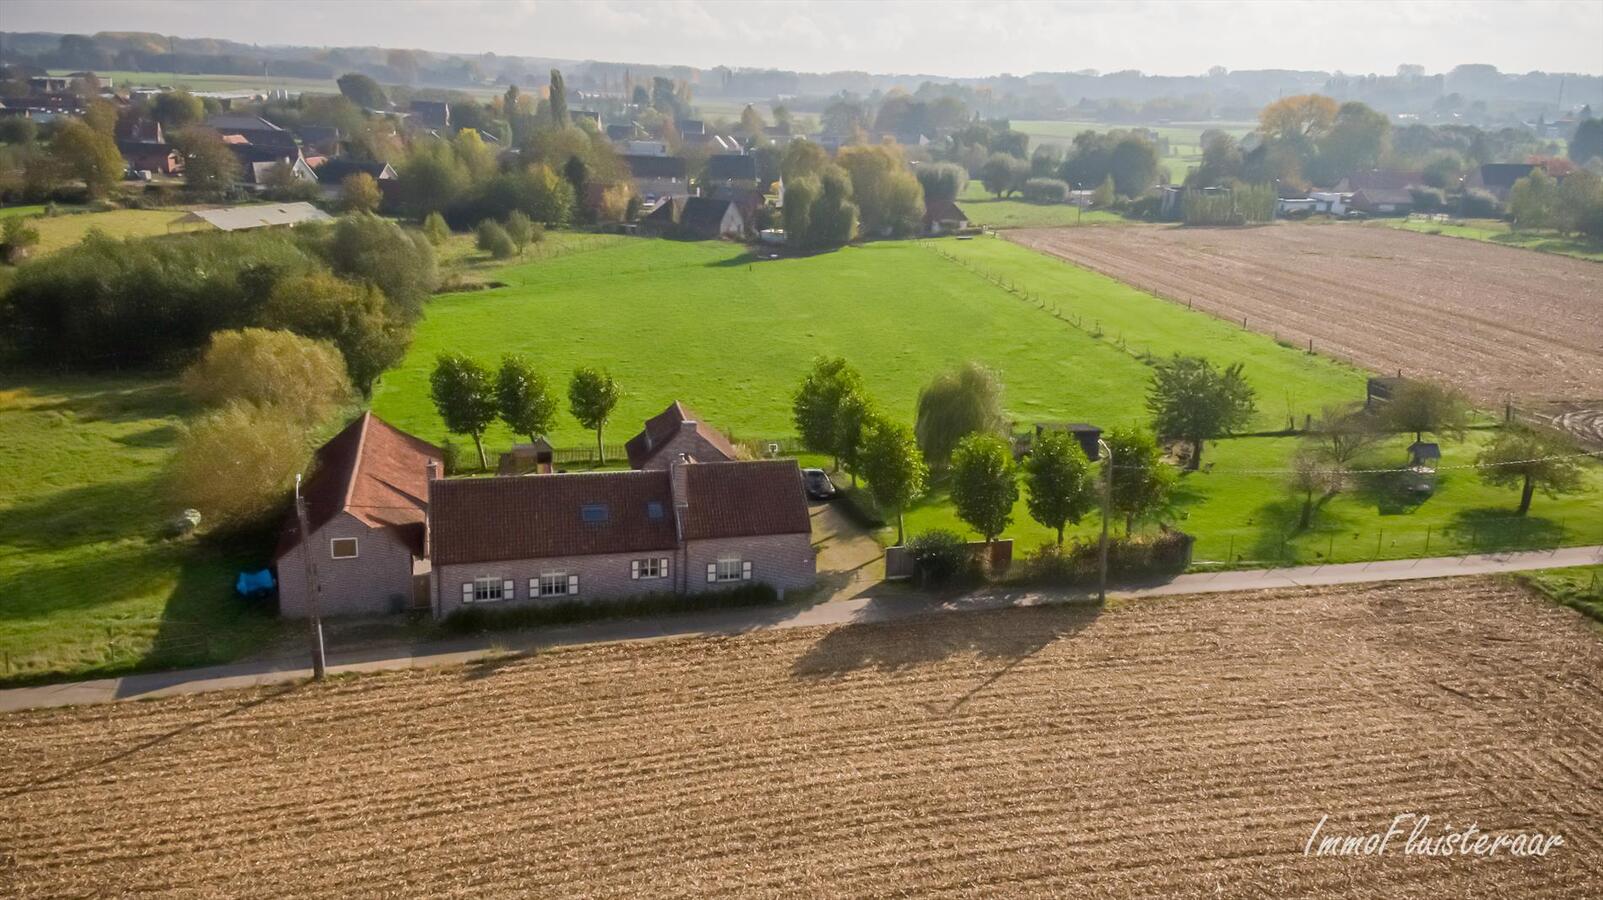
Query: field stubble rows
1179, 748
1496, 321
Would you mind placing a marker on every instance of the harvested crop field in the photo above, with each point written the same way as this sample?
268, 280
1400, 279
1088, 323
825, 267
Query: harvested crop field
1174, 748
1496, 321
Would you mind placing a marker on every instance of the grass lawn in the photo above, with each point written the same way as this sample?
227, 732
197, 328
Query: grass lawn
1580, 588
1498, 232
212, 82
984, 209
63, 231
731, 336
89, 585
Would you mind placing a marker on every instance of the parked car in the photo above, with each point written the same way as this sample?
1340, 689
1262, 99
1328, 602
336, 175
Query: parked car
818, 485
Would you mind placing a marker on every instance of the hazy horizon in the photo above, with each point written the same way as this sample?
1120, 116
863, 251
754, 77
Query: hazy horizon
946, 39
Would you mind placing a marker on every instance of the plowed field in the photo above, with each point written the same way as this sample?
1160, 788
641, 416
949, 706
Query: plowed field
1165, 748
1496, 321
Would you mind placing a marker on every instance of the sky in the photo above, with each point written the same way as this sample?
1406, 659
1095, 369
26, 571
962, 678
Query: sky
934, 37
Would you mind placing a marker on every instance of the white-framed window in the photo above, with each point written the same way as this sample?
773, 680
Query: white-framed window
488, 589
655, 567
342, 548
729, 570
554, 584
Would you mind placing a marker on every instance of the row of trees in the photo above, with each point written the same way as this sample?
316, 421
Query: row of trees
470, 398
1572, 206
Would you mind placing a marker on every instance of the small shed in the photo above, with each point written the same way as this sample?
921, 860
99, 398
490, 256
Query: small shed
1086, 434
1423, 454
527, 459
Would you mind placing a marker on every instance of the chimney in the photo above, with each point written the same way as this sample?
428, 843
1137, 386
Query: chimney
677, 490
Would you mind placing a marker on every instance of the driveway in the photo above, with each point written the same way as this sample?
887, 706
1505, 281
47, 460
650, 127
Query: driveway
849, 559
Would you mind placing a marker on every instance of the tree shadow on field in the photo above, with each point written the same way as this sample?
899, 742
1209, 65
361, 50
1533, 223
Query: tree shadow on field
152, 742
1009, 635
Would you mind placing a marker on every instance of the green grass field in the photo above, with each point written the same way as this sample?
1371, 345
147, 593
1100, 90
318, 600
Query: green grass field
1580, 588
66, 230
984, 209
1498, 232
88, 583
213, 82
731, 336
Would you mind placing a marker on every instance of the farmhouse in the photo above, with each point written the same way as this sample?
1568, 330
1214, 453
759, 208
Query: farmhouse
366, 507
1498, 179
697, 218
593, 536
1382, 201
657, 177
943, 217
676, 432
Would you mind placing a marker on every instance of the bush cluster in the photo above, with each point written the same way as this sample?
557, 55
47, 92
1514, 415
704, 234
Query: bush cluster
1131, 556
940, 556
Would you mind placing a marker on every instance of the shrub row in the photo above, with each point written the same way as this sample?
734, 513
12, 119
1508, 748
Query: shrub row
1138, 556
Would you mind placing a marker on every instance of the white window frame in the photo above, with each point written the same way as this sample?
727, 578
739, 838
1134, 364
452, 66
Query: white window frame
728, 569
553, 584
649, 569
354, 548
488, 589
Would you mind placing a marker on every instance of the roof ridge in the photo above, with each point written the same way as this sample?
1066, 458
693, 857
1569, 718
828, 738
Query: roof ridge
356, 460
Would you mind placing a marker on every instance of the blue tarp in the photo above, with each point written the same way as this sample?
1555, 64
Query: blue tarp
249, 583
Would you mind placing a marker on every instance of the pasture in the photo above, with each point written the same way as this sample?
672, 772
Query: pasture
66, 230
1183, 748
731, 336
984, 209
1497, 231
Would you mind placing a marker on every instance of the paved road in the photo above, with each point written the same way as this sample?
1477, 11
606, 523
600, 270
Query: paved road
877, 605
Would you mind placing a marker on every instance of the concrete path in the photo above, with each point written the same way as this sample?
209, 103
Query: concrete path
877, 605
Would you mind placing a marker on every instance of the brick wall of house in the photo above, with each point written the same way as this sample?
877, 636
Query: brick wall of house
363, 586
784, 561
686, 441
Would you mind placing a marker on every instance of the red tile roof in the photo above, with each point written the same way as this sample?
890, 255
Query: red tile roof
942, 211
375, 472
540, 516
661, 428
745, 499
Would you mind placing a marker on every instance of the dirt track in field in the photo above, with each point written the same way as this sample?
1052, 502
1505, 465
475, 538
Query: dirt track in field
1496, 321
1173, 748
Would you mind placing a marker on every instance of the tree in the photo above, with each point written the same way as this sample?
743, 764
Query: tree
803, 158
381, 252
1587, 144
102, 117
559, 100
432, 178
17, 237
964, 401
851, 418
576, 174
1533, 201
524, 399
520, 229
464, 395
1420, 406
474, 155
304, 378
209, 166
751, 123
1531, 458
351, 316
360, 193
237, 464
887, 194
177, 109
1301, 116
1312, 473
893, 466
797, 214
1142, 482
362, 90
1003, 174
1133, 166
1355, 142
833, 218
816, 405
1102, 197
941, 181
89, 155
283, 185
1062, 486
494, 240
984, 487
591, 396
1342, 433
1580, 203
435, 229
1193, 400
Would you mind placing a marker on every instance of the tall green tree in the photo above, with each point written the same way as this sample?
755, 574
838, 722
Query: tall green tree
559, 100
524, 398
1533, 202
1312, 474
955, 404
350, 315
1004, 174
816, 405
1532, 459
362, 90
89, 155
1142, 482
1061, 486
209, 166
591, 396
177, 109
852, 417
1195, 401
893, 466
983, 484
464, 395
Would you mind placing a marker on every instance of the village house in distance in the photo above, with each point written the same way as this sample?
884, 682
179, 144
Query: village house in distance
389, 534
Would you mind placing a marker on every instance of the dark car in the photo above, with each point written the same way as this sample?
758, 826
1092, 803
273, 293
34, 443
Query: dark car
818, 485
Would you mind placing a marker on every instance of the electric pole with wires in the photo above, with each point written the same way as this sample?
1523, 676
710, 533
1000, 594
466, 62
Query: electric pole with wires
319, 668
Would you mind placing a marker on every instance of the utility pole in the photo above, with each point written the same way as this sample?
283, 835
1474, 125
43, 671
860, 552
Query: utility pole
319, 669
1107, 500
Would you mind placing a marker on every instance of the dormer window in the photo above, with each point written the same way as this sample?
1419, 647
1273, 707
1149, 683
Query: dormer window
654, 510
